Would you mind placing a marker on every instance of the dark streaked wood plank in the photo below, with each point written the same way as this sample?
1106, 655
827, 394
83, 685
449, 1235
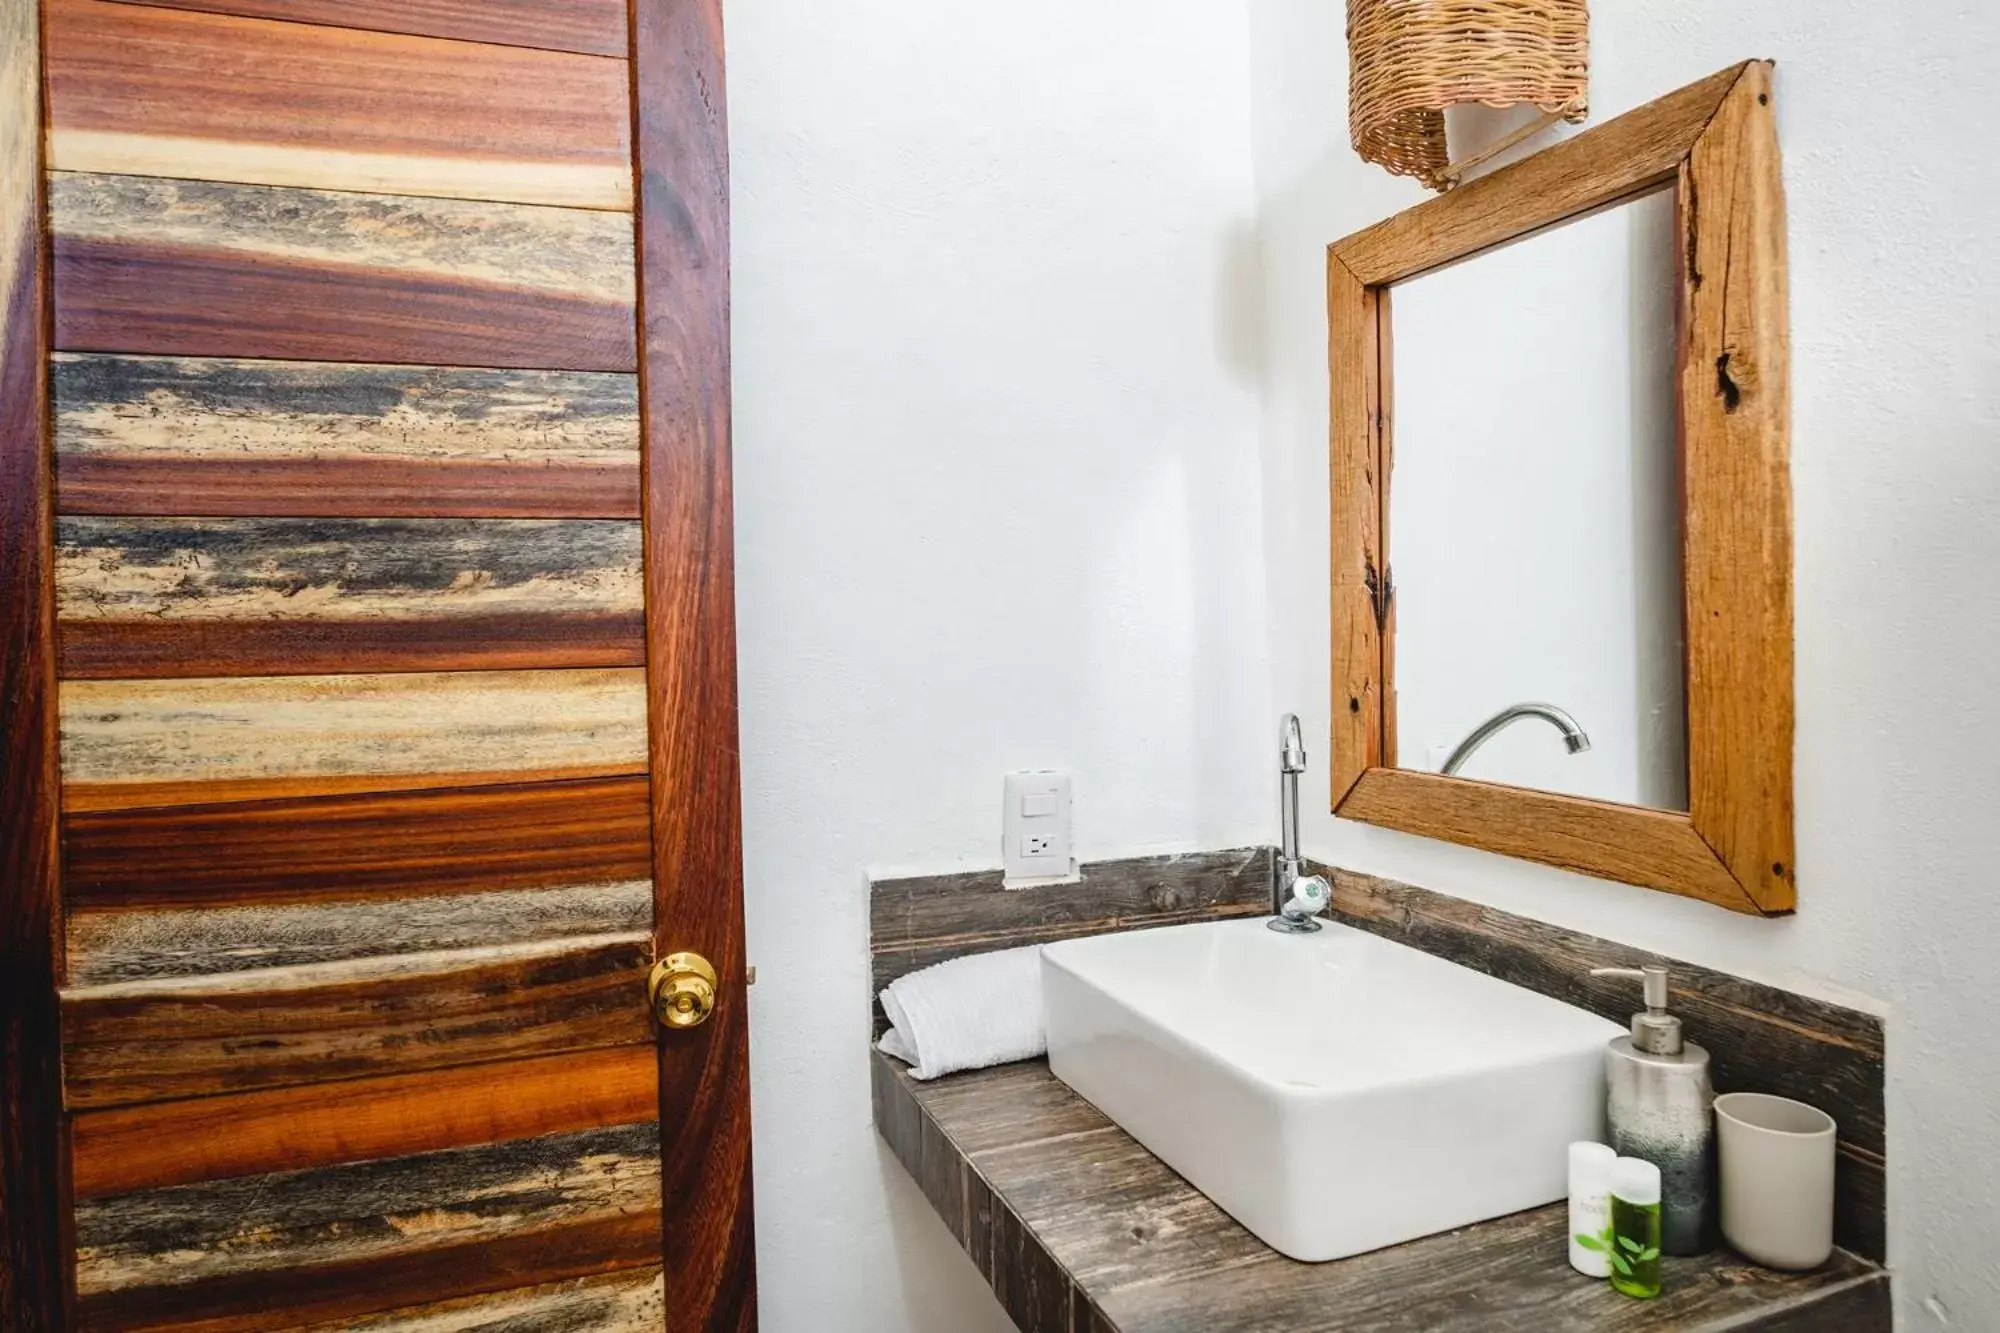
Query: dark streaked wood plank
170, 569
591, 27
194, 1037
1141, 890
626, 1302
1760, 1038
130, 744
108, 948
1149, 1254
34, 1211
562, 250
917, 921
143, 90
336, 1293
193, 268
359, 1233
173, 436
682, 155
148, 597
339, 848
128, 1148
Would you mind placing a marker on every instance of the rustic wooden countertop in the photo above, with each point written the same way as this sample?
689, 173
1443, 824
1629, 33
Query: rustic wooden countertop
1081, 1230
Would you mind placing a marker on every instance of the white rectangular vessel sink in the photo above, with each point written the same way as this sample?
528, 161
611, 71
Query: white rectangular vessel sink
1333, 1092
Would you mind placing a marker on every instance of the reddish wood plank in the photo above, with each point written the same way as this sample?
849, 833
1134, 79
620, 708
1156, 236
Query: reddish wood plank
345, 847
34, 1212
113, 296
129, 649
342, 487
242, 1302
197, 1037
593, 27
95, 798
683, 157
295, 1129
144, 90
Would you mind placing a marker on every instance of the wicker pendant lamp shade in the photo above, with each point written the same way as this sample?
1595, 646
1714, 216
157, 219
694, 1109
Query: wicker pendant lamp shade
1410, 59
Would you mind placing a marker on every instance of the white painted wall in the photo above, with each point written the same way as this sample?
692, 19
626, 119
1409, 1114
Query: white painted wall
1889, 166
998, 497
1534, 511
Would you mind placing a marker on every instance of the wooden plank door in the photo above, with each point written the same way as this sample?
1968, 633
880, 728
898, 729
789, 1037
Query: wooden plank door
366, 596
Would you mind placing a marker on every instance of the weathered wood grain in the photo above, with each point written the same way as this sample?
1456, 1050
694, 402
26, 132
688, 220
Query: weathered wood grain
349, 848
591, 27
680, 134
203, 1249
916, 921
151, 597
198, 1036
564, 250
1735, 415
1622, 157
1761, 1038
618, 1303
195, 268
34, 1211
1069, 1199
143, 90
1358, 567
131, 744
128, 1148
178, 435
119, 946
1659, 849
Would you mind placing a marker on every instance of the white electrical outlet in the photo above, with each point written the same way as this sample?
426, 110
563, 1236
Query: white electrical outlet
1035, 830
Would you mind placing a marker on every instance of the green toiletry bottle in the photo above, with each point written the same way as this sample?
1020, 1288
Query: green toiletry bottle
1635, 1227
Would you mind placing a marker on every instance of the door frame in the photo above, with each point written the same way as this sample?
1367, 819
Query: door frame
681, 150
35, 1262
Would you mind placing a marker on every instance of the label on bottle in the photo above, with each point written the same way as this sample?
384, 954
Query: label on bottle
1590, 1234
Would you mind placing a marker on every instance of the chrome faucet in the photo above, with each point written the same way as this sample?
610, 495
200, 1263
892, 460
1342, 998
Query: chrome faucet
1574, 738
1296, 897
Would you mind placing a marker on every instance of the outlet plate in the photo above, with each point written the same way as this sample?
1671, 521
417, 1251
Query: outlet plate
1035, 830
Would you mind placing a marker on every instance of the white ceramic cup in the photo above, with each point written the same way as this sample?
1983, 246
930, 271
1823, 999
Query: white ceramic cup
1776, 1159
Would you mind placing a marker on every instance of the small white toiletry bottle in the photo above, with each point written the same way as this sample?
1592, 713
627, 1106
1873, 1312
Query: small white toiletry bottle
1590, 1207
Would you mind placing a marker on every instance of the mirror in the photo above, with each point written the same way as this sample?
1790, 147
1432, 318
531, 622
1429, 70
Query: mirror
1560, 476
1534, 525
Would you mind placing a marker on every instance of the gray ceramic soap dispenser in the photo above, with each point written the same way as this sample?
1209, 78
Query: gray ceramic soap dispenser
1661, 1108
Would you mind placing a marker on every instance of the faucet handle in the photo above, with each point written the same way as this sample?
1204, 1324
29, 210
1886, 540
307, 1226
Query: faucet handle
1308, 896
1291, 745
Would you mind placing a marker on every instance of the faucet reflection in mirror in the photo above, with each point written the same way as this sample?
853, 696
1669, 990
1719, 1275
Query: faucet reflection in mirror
1575, 739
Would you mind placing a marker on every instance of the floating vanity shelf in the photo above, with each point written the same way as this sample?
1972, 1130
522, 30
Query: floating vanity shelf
1081, 1230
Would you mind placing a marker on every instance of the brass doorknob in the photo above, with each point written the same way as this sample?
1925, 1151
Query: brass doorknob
682, 989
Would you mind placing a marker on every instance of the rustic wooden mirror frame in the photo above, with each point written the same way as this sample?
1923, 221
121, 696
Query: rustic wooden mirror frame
1715, 142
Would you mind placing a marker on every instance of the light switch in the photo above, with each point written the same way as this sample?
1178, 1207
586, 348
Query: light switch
1035, 830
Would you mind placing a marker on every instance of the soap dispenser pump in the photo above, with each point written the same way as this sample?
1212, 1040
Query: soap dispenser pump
1661, 1107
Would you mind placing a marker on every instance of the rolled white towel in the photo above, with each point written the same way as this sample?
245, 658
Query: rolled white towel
967, 1013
